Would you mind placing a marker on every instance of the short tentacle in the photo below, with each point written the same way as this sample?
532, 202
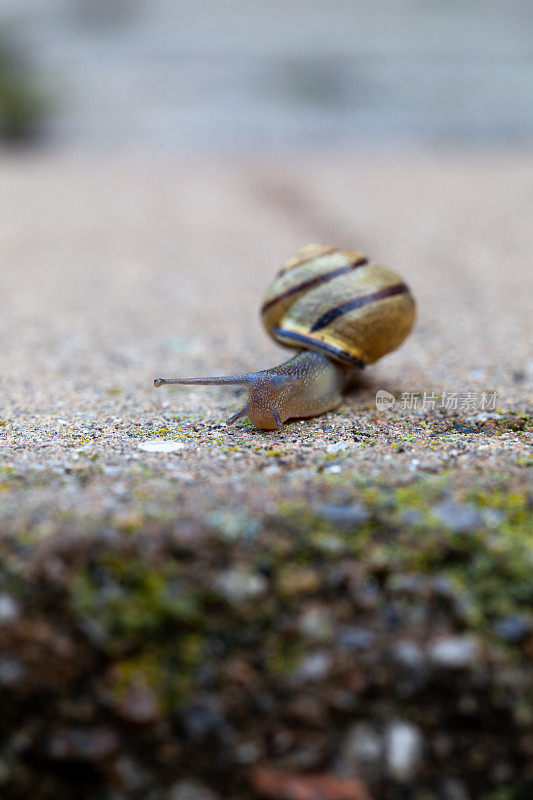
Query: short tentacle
275, 414
241, 413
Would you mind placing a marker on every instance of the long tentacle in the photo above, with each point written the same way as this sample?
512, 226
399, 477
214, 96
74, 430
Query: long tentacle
229, 380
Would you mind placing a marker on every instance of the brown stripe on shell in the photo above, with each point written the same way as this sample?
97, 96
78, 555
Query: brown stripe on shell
316, 281
300, 340
356, 302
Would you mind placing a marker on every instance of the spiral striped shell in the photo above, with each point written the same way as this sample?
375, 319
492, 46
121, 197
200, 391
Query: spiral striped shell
339, 303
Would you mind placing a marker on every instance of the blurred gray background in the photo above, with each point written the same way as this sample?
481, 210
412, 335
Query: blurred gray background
237, 75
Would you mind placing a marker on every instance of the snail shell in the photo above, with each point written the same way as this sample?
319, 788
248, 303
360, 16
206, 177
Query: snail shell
338, 303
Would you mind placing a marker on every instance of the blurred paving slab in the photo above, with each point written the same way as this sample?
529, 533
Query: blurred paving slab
232, 75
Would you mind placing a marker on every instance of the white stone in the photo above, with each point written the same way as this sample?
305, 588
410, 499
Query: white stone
240, 585
313, 667
334, 469
9, 608
408, 653
337, 447
161, 446
273, 469
190, 790
455, 652
362, 752
403, 747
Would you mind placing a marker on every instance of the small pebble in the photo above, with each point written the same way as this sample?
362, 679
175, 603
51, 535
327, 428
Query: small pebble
316, 624
458, 517
247, 753
190, 790
80, 744
332, 469
9, 608
362, 752
338, 447
132, 776
314, 667
12, 671
139, 704
513, 630
454, 789
492, 517
161, 446
203, 722
272, 469
408, 653
241, 585
344, 517
403, 748
455, 652
354, 638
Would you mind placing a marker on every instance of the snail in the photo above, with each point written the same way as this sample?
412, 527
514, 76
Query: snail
341, 311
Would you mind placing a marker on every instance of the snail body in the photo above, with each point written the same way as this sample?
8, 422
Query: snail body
342, 312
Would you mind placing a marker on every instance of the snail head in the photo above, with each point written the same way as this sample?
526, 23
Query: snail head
266, 393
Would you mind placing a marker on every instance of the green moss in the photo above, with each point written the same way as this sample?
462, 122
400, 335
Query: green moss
516, 791
248, 426
516, 421
167, 668
131, 600
490, 565
142, 471
175, 433
23, 103
313, 536
498, 572
233, 525
421, 494
282, 654
143, 668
